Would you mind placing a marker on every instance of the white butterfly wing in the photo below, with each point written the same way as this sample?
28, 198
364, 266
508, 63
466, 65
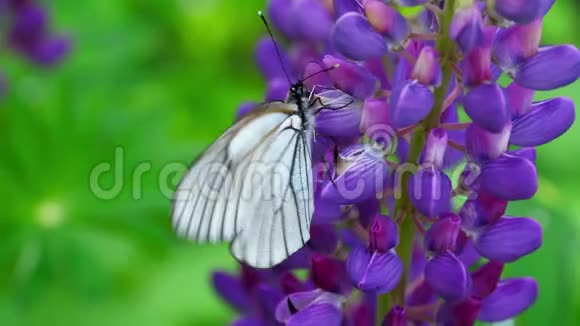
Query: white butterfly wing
252, 186
278, 188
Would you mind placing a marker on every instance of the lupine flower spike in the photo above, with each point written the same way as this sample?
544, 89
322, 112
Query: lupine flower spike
395, 239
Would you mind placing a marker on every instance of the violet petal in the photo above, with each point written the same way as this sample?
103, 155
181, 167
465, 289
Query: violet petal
374, 272
510, 298
510, 178
448, 277
546, 120
552, 67
354, 37
486, 106
509, 239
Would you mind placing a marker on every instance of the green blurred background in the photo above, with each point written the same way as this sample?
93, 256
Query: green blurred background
160, 79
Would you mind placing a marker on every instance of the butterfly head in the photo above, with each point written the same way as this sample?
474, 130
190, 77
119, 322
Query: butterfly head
298, 93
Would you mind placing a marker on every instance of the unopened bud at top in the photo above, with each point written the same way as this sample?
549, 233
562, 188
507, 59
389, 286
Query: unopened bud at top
387, 21
383, 234
435, 147
427, 69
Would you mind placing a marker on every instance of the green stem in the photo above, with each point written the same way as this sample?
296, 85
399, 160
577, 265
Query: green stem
407, 229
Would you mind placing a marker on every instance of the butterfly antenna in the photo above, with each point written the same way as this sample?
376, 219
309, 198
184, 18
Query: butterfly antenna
275, 45
321, 71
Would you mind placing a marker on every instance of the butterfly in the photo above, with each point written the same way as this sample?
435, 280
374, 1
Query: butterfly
254, 186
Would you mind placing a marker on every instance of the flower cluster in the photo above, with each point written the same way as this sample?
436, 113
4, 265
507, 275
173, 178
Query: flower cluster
27, 29
396, 236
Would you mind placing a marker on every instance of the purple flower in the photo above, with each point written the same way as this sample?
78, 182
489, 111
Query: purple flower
483, 145
510, 298
310, 308
355, 38
447, 276
509, 239
486, 106
374, 271
435, 147
28, 33
518, 11
430, 191
361, 173
442, 236
509, 177
387, 21
466, 28
482, 210
410, 103
514, 45
552, 67
543, 122
427, 70
383, 234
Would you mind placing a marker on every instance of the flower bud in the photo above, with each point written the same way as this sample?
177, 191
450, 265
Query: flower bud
517, 11
477, 67
410, 103
442, 235
355, 38
515, 44
375, 114
427, 69
396, 317
466, 28
383, 234
518, 99
482, 210
483, 145
430, 191
387, 21
435, 147
448, 278
486, 106
281, 17
311, 20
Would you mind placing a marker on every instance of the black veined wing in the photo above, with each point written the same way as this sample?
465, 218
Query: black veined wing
253, 186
